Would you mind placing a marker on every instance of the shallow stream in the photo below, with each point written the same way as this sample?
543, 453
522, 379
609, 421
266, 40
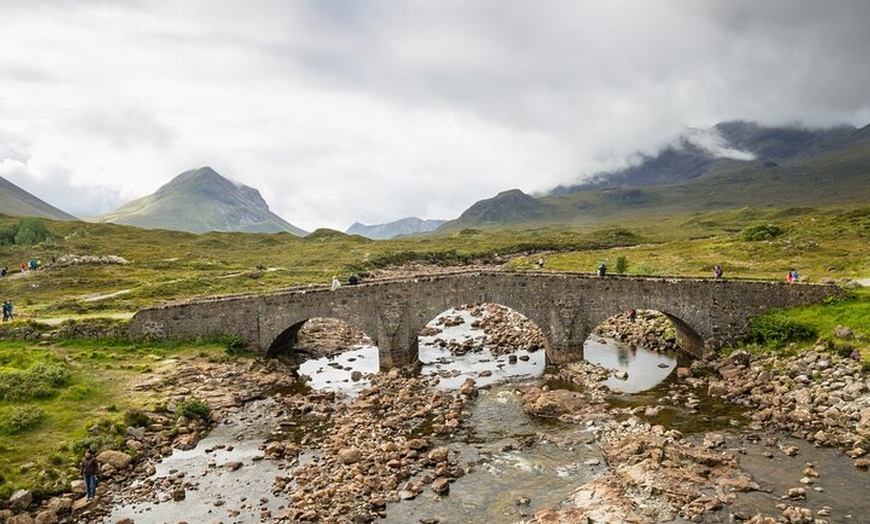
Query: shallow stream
516, 464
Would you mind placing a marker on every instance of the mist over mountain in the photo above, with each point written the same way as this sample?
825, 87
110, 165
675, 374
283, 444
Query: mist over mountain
733, 164
15, 201
401, 227
201, 200
700, 152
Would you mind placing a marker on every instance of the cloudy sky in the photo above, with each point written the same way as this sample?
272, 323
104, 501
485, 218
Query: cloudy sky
344, 110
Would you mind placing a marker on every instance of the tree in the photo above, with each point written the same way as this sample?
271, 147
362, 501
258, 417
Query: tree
7, 234
621, 264
31, 231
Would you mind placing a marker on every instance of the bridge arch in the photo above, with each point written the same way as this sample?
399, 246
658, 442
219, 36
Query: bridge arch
299, 337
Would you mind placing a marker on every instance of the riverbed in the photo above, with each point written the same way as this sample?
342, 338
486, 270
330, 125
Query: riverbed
514, 464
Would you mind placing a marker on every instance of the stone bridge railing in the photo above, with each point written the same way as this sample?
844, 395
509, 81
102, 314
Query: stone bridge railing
566, 306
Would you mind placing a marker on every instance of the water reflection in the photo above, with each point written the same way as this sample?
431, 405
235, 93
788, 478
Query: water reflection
635, 369
485, 365
346, 371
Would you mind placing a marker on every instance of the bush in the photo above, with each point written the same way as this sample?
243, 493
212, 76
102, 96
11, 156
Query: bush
776, 329
31, 231
136, 418
756, 232
193, 409
95, 443
40, 381
21, 419
621, 264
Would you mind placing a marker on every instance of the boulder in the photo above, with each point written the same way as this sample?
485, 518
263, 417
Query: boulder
20, 499
46, 517
117, 459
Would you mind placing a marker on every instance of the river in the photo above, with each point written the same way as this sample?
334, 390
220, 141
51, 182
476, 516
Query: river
515, 464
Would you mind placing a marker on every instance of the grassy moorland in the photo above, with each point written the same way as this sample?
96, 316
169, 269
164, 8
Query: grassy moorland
52, 393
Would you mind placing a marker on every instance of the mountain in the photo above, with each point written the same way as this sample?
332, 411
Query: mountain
731, 165
15, 201
512, 206
201, 200
701, 152
404, 226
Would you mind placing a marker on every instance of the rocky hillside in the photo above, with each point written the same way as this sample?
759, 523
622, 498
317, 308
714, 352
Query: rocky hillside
512, 206
732, 165
198, 201
15, 201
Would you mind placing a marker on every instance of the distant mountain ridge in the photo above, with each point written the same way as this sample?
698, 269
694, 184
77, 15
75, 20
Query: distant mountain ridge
15, 201
401, 227
700, 152
198, 201
733, 164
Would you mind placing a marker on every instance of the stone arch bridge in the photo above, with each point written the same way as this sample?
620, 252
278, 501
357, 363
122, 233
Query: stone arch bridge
707, 313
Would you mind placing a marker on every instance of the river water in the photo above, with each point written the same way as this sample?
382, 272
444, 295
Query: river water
516, 464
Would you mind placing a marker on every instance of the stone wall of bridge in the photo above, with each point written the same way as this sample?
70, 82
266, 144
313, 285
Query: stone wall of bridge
566, 306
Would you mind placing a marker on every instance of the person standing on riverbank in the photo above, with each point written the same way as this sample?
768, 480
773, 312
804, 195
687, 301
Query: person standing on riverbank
89, 472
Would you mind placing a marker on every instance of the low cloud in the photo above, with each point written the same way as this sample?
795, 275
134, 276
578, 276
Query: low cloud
346, 111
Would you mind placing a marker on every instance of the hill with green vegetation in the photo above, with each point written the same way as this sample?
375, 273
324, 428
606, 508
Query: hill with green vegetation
198, 201
18, 202
53, 393
739, 165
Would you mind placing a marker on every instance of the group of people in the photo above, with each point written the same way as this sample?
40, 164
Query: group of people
7, 311
792, 276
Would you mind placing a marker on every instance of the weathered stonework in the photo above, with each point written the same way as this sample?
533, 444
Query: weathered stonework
566, 306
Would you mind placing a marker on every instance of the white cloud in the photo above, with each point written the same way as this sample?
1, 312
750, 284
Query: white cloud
342, 111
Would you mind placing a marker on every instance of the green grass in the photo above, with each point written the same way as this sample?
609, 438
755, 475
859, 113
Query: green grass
42, 435
166, 265
45, 432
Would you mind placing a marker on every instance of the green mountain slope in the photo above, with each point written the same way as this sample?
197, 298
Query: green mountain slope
15, 201
198, 201
788, 167
508, 207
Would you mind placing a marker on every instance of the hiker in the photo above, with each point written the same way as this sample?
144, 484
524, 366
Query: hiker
335, 283
89, 472
7, 311
792, 276
353, 280
602, 269
540, 263
717, 271
3, 271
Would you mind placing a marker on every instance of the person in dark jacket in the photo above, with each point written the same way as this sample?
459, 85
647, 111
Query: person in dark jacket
89, 472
